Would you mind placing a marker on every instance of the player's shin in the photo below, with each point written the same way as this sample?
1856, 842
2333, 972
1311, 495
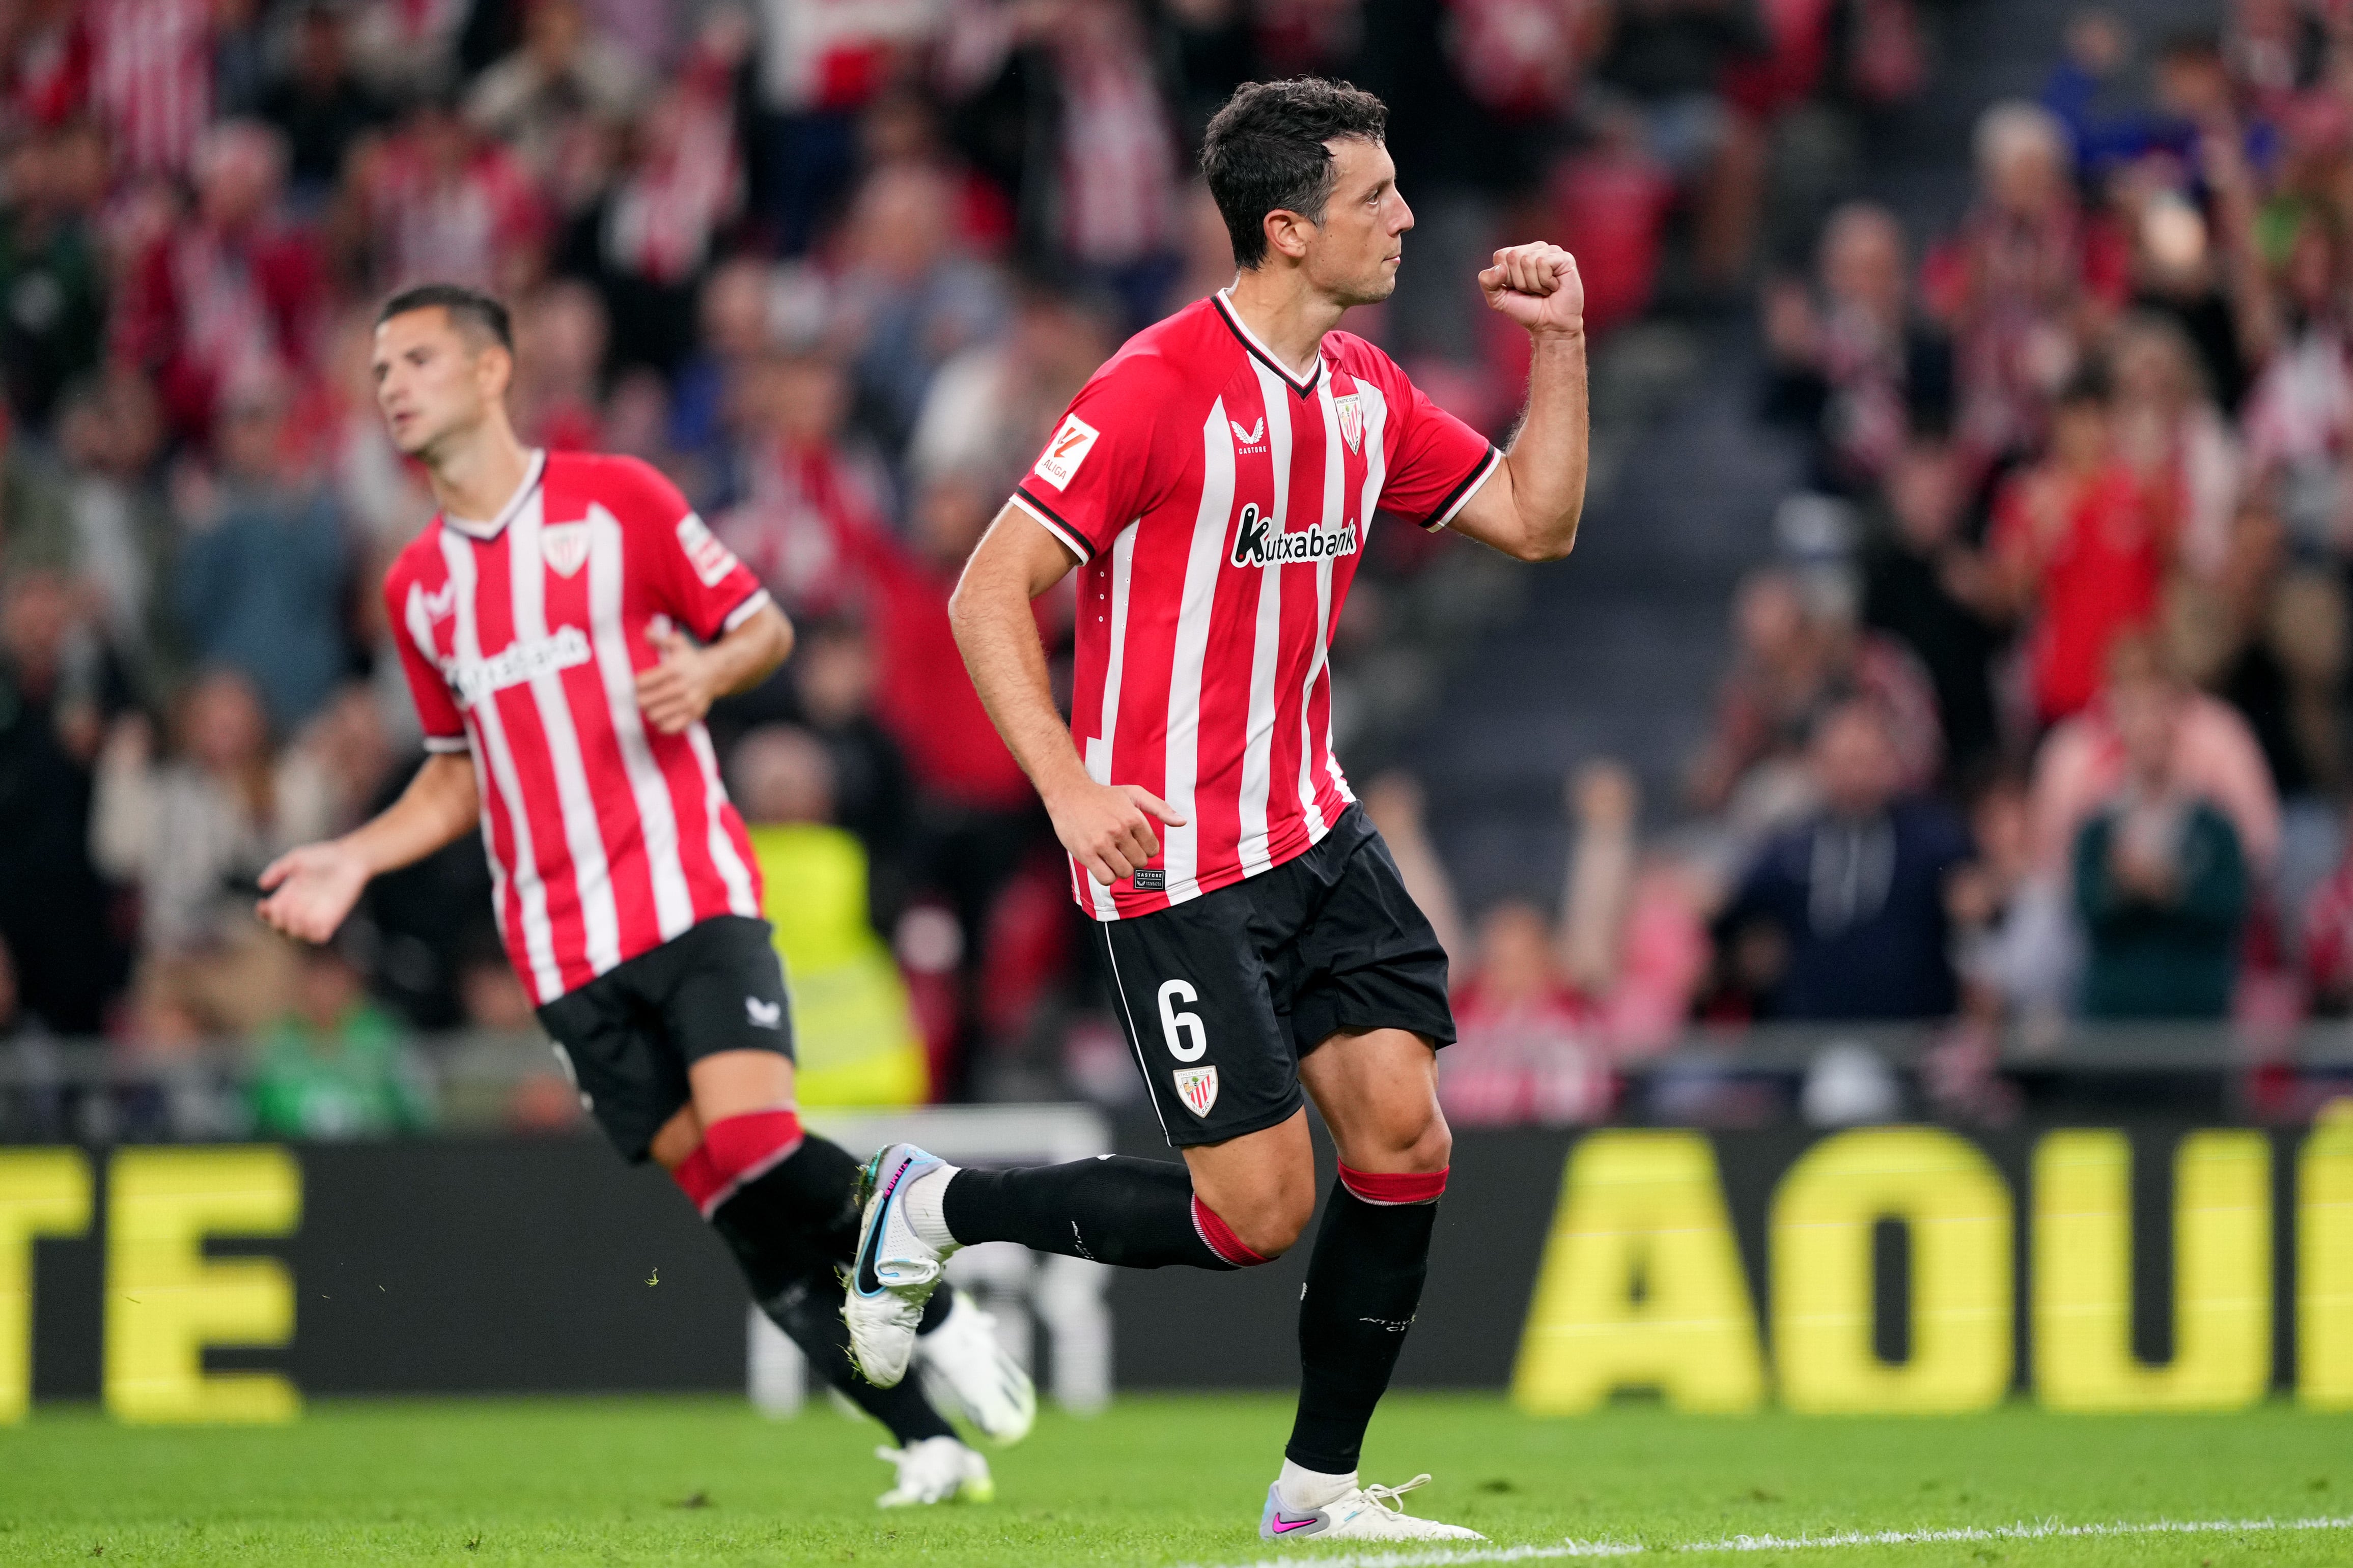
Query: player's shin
1364, 1285
1131, 1213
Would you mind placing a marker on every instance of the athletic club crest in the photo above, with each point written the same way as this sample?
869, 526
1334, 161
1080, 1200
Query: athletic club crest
1198, 1087
566, 546
1351, 410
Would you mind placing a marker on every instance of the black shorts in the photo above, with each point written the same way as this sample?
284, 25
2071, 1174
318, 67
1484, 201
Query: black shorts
627, 1036
1221, 996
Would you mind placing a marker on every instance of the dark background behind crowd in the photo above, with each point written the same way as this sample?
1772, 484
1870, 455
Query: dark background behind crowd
1995, 377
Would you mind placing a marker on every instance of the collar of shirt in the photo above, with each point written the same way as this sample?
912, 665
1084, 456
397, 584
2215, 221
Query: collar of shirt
490, 531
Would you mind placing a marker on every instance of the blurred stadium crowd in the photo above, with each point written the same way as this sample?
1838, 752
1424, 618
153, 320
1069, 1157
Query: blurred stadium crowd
2041, 715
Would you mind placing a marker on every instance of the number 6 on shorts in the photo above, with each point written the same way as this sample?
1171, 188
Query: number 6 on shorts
1174, 1024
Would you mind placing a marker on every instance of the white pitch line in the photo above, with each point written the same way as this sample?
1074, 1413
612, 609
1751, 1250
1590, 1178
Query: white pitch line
2020, 1531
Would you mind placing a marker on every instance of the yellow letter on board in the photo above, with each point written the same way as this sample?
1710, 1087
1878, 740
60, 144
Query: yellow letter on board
1642, 1284
2324, 1267
166, 1301
2222, 1275
43, 1191
1954, 1205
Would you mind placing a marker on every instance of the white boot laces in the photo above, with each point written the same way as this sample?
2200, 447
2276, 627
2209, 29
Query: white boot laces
1384, 1497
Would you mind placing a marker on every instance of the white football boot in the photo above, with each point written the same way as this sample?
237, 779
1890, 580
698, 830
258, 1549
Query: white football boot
964, 1368
937, 1469
1364, 1513
894, 1272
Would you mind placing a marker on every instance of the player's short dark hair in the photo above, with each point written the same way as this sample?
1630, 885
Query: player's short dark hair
471, 312
1265, 152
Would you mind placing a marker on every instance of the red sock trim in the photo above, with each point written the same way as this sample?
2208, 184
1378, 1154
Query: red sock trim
1221, 1238
746, 1148
700, 1179
1390, 1190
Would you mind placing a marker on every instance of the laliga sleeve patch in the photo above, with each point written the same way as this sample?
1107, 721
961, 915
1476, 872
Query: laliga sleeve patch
711, 561
1060, 463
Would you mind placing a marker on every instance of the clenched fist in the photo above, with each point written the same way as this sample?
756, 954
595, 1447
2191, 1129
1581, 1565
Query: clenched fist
1536, 286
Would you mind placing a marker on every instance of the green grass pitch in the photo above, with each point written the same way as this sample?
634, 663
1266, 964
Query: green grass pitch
1160, 1480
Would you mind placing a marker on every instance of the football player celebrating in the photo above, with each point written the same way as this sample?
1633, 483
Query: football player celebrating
564, 622
1213, 485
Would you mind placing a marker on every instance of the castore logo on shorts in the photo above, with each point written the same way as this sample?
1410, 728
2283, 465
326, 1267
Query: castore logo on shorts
1256, 542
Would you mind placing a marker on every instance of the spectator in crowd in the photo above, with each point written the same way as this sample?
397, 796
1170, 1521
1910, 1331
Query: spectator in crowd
1668, 59
439, 201
319, 103
833, 677
1798, 654
35, 530
905, 300
56, 693
2174, 440
191, 834
233, 296
51, 272
2027, 279
1542, 1012
2084, 763
1925, 586
2299, 416
2018, 951
2081, 551
812, 500
647, 240
1852, 364
334, 1066
148, 73
1117, 164
853, 1036
2159, 879
1855, 898
561, 334
109, 431
991, 407
978, 820
559, 99
261, 573
732, 310
817, 65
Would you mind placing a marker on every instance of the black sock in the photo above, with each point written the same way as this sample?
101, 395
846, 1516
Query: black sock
1135, 1214
1363, 1286
818, 1185
790, 1265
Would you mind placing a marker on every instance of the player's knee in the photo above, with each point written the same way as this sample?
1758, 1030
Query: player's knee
1433, 1145
1409, 1138
1278, 1223
1258, 1223
1268, 1230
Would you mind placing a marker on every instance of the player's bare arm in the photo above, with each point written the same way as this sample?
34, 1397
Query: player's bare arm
1107, 828
1529, 509
677, 692
313, 889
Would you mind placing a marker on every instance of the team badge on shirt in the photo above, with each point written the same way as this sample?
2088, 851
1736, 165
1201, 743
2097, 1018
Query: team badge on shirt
1351, 410
1060, 462
1198, 1087
566, 546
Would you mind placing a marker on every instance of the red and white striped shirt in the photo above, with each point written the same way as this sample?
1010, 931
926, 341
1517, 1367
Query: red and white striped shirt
522, 638
150, 80
1220, 505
